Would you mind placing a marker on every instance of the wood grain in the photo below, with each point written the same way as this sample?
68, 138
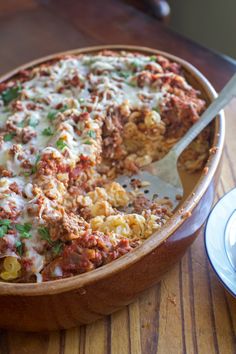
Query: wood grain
189, 311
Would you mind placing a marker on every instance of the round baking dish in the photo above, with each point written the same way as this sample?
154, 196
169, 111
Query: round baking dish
84, 298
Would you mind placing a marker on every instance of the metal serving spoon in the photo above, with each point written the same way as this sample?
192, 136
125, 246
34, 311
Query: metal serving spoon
162, 176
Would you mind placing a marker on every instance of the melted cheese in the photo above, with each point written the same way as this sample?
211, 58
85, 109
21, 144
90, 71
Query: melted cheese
106, 81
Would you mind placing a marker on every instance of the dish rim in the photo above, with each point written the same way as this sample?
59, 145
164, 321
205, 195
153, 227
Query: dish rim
82, 280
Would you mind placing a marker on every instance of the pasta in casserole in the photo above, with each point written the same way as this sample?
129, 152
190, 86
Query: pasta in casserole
68, 128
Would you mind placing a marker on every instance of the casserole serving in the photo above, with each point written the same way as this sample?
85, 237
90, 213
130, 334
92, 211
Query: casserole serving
70, 126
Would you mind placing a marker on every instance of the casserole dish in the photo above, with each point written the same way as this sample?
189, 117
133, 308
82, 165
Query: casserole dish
84, 298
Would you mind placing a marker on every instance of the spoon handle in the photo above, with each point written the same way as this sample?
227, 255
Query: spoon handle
224, 97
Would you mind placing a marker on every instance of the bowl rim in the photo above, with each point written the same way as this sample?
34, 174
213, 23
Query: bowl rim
226, 264
82, 280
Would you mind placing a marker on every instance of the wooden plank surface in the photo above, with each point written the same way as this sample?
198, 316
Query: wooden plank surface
189, 311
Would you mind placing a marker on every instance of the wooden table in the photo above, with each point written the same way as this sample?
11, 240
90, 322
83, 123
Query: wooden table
189, 311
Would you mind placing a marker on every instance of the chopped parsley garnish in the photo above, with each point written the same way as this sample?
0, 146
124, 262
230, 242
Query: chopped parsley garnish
131, 83
87, 142
21, 124
33, 122
47, 131
4, 226
24, 230
3, 230
37, 159
60, 144
19, 247
89, 61
9, 136
27, 173
153, 58
135, 64
63, 109
10, 94
57, 248
45, 235
124, 74
52, 115
5, 222
92, 134
33, 169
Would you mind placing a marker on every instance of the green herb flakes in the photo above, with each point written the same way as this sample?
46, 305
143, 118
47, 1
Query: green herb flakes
21, 124
44, 233
124, 74
63, 109
27, 173
37, 159
4, 227
92, 134
9, 136
34, 168
24, 230
60, 144
131, 83
52, 115
33, 122
10, 94
57, 248
3, 230
135, 64
19, 247
153, 58
5, 222
47, 132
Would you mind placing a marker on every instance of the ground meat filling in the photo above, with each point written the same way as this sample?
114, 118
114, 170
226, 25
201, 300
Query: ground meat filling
87, 253
67, 227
